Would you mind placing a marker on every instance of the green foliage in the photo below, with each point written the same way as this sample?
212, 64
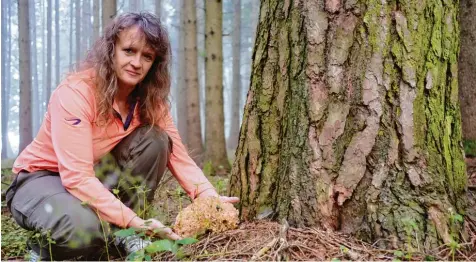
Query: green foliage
208, 168
13, 238
470, 147
125, 232
164, 245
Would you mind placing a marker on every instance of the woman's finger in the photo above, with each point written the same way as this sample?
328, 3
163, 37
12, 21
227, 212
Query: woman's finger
231, 200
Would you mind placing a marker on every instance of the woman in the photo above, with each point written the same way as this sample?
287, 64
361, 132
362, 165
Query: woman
117, 104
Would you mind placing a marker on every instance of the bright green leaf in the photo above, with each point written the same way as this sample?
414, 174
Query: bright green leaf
125, 232
458, 218
398, 253
175, 248
187, 241
115, 191
159, 246
136, 256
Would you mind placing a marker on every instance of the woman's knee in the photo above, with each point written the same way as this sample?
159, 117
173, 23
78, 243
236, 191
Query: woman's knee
68, 222
156, 141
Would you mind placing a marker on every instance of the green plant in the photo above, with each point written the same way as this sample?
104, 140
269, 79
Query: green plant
13, 238
411, 229
470, 147
158, 246
398, 255
455, 221
208, 168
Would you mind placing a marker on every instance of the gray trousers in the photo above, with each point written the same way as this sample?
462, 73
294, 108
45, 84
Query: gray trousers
65, 227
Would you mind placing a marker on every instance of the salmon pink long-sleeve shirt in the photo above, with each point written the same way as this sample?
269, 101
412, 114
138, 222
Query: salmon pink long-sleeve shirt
70, 142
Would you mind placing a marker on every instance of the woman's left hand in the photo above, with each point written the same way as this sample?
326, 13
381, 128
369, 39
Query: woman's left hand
231, 200
212, 193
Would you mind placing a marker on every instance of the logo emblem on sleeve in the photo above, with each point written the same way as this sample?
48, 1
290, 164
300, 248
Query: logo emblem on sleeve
73, 121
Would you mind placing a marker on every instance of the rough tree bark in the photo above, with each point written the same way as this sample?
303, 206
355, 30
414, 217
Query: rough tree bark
215, 148
194, 127
236, 89
467, 68
352, 120
25, 74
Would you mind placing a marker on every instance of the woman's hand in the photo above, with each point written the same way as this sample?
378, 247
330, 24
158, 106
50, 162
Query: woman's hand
154, 227
212, 193
231, 200
157, 228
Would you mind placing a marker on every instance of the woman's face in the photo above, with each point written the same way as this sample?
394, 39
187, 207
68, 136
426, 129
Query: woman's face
133, 57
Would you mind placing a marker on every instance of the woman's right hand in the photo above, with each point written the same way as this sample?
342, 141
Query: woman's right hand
154, 227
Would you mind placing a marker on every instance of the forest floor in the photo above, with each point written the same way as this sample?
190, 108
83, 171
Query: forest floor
260, 240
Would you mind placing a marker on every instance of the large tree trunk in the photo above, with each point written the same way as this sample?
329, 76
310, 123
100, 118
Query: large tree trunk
236, 87
352, 121
467, 68
36, 101
215, 148
108, 11
194, 127
181, 98
25, 74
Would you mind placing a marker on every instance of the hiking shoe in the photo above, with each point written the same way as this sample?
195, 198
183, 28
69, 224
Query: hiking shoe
131, 244
32, 256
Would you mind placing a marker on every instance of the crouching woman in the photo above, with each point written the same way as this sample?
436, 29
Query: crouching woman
118, 104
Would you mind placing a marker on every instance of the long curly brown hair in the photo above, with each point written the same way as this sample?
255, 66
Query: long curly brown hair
154, 90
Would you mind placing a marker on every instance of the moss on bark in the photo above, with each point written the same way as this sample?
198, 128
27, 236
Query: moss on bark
352, 120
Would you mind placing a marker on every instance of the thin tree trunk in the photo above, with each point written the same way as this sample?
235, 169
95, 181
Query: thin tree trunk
215, 133
77, 22
181, 74
25, 74
236, 89
49, 53
71, 29
194, 127
109, 8
86, 24
352, 121
134, 5
57, 45
158, 9
96, 25
9, 66
5, 67
467, 68
36, 101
